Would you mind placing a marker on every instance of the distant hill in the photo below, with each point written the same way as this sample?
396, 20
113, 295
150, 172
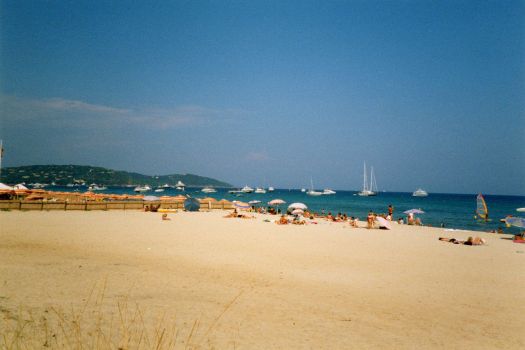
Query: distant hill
71, 174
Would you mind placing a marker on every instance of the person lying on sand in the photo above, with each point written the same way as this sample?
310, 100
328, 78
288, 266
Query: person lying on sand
469, 241
282, 221
297, 221
233, 214
236, 214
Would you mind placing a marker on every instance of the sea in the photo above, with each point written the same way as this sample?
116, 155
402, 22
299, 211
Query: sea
451, 211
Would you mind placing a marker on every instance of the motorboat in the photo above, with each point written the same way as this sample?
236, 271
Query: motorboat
160, 189
180, 185
303, 189
235, 191
328, 191
260, 190
166, 186
95, 187
247, 189
208, 189
420, 193
144, 188
368, 189
271, 189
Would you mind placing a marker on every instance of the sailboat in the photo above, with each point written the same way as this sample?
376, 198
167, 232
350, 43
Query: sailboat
313, 192
482, 212
368, 190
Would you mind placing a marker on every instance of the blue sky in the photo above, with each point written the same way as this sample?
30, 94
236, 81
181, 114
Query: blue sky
271, 92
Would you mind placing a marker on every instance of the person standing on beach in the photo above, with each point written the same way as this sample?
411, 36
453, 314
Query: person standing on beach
390, 211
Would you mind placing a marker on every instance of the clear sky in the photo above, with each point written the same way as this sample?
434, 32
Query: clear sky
431, 93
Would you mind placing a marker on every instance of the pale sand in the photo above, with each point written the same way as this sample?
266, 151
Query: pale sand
253, 284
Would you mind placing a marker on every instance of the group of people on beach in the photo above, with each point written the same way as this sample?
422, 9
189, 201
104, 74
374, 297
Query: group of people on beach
301, 219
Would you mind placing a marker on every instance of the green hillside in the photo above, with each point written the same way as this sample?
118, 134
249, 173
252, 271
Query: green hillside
71, 174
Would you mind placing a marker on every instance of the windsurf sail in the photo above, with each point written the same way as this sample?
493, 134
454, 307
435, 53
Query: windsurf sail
481, 210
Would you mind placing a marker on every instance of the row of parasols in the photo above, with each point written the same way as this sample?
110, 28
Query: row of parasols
296, 208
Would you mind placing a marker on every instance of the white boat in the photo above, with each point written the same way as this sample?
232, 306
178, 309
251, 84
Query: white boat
160, 189
208, 189
271, 189
328, 191
166, 186
95, 187
144, 188
180, 185
260, 190
420, 193
313, 192
368, 190
247, 189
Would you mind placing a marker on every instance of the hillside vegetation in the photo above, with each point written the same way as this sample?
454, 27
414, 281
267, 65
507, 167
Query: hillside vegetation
78, 174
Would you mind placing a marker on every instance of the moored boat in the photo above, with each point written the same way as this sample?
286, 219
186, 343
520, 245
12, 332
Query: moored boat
420, 193
208, 189
368, 190
144, 188
260, 190
247, 189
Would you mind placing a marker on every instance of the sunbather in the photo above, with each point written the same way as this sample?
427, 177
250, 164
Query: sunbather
370, 220
469, 241
282, 221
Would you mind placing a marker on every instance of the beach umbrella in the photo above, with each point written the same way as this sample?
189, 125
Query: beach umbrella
515, 221
20, 187
276, 202
192, 204
297, 206
414, 211
383, 222
298, 211
241, 205
151, 198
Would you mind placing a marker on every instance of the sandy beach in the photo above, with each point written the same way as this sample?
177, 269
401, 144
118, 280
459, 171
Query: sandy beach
250, 284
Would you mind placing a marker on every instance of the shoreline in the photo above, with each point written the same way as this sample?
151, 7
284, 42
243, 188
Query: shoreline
255, 284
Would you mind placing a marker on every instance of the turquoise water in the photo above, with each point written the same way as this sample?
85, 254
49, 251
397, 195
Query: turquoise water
452, 210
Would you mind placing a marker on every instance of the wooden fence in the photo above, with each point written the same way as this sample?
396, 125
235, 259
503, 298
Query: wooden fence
102, 205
